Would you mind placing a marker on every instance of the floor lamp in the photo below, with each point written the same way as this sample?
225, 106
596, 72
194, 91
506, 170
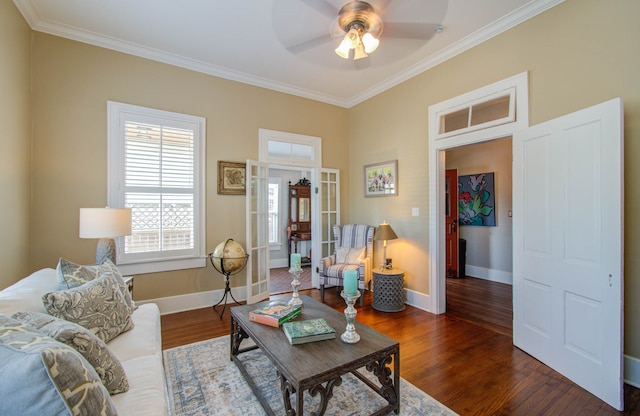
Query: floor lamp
105, 224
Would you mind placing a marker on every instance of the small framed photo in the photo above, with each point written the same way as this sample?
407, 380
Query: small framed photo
381, 179
231, 178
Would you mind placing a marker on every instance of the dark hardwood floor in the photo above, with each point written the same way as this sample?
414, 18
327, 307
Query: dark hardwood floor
465, 358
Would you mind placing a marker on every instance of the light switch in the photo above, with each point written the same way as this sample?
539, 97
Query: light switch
415, 212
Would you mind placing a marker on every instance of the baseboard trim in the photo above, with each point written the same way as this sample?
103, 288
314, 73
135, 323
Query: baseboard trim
417, 300
198, 300
632, 371
277, 263
489, 274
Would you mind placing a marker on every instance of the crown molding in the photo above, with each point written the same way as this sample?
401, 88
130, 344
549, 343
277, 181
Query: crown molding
501, 25
497, 27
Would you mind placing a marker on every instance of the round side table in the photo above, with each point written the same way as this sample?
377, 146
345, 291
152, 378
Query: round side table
388, 290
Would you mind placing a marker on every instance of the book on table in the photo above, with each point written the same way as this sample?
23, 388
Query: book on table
309, 330
275, 313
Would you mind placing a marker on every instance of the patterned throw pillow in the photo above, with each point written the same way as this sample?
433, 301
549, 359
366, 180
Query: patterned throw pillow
98, 306
346, 255
41, 376
85, 342
72, 275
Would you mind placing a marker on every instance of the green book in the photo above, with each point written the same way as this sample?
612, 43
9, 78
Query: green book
309, 330
275, 313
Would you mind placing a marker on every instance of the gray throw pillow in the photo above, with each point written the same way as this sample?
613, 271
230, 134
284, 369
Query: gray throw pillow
98, 306
85, 342
72, 275
41, 376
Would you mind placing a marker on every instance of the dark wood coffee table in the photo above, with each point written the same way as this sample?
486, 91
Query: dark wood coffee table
317, 367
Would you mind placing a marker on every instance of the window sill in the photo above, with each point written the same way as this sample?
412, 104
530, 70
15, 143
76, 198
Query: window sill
162, 266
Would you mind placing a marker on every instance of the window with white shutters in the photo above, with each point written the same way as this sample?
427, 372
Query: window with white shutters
156, 161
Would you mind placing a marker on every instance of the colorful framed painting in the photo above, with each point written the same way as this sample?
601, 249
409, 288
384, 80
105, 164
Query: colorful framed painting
476, 199
381, 179
231, 178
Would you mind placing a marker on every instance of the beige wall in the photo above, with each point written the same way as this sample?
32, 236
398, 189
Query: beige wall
72, 83
489, 253
15, 142
578, 54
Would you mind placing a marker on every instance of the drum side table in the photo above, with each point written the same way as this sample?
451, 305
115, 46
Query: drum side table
388, 290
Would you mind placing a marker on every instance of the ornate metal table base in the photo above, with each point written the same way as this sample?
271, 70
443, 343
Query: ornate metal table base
372, 366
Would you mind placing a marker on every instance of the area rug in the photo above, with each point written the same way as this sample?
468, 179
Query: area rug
203, 381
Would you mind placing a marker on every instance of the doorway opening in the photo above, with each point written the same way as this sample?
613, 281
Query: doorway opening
442, 140
481, 290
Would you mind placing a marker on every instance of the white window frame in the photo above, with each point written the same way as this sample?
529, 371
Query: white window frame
117, 114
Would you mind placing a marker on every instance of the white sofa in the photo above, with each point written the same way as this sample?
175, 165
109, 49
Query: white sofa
139, 349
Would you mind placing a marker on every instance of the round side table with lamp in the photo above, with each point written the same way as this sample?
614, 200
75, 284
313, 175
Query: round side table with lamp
388, 290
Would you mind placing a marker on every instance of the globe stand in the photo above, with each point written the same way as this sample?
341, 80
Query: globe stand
218, 263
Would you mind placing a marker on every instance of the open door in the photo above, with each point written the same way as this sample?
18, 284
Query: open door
567, 247
329, 216
257, 215
451, 222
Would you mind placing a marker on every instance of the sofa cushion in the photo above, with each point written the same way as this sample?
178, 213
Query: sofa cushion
98, 306
145, 339
41, 376
92, 348
26, 294
72, 275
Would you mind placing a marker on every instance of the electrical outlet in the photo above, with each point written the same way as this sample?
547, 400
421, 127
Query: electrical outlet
415, 212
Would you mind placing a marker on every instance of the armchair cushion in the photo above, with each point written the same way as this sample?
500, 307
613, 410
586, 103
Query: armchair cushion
346, 255
354, 251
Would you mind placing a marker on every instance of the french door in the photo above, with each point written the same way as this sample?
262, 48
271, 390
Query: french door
257, 215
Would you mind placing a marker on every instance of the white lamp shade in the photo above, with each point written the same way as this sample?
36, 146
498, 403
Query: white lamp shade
105, 222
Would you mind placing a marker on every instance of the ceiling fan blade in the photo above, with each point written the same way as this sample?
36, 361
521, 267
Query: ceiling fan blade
323, 6
380, 5
409, 30
309, 44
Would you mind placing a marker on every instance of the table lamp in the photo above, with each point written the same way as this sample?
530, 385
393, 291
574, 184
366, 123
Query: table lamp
105, 224
384, 232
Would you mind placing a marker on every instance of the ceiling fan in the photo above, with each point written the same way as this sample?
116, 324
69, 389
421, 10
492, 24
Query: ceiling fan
360, 26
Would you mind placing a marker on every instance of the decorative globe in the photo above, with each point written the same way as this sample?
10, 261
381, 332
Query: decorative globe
228, 257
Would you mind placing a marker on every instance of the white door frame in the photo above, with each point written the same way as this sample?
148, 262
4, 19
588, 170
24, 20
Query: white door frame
438, 144
313, 164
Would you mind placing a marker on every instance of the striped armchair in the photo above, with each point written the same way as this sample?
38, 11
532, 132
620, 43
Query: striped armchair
354, 251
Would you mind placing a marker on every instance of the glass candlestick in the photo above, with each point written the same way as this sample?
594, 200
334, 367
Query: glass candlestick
295, 283
350, 336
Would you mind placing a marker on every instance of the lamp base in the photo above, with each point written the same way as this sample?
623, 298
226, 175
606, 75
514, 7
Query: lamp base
106, 250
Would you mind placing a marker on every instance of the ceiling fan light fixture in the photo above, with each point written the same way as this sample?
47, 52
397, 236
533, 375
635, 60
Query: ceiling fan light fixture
343, 50
363, 26
359, 52
370, 42
351, 41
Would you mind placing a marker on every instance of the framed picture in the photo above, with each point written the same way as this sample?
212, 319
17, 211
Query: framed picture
381, 179
231, 178
477, 199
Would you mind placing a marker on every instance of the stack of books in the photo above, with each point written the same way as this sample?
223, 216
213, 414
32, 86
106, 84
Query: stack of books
309, 330
275, 313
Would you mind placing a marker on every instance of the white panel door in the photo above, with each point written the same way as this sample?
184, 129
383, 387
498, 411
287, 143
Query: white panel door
567, 247
257, 214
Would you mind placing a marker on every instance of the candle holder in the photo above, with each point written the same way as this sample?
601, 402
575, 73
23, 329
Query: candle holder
295, 283
350, 336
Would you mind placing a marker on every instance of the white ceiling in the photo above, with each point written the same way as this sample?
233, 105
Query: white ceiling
283, 45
